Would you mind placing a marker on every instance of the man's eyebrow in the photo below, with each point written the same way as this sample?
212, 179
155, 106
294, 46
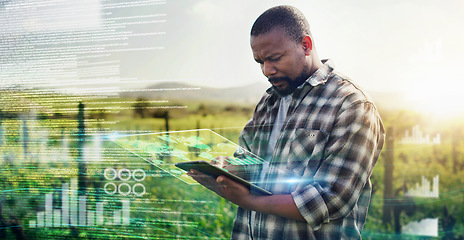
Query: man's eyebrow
274, 55
270, 56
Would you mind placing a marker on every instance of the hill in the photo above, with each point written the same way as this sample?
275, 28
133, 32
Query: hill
244, 94
181, 91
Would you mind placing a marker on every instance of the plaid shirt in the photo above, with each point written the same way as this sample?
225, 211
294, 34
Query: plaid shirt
324, 156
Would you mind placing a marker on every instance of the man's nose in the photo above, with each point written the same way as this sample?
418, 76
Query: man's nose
268, 69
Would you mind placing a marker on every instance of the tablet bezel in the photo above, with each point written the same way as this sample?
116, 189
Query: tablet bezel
215, 172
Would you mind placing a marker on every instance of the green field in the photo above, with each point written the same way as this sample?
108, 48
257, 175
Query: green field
41, 154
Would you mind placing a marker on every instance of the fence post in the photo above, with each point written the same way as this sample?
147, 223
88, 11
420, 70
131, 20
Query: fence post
82, 170
388, 176
1, 129
166, 121
454, 153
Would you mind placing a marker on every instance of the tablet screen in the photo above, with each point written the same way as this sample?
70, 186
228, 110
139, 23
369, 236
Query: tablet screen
215, 172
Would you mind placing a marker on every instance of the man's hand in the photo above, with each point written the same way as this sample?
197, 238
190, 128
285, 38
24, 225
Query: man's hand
224, 162
225, 187
221, 161
280, 205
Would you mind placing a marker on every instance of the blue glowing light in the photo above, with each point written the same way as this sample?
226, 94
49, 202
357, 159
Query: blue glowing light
292, 180
113, 136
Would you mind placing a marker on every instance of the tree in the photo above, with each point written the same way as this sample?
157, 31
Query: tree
141, 107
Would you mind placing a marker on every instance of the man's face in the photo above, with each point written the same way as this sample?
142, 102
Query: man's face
282, 60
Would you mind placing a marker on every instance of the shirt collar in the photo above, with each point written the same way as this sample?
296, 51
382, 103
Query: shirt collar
320, 76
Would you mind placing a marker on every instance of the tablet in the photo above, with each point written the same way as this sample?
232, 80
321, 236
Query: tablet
215, 172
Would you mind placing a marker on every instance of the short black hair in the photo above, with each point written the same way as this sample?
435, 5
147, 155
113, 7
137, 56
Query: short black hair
287, 17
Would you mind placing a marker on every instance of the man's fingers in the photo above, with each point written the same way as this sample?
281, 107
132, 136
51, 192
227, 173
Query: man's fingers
221, 161
220, 179
205, 180
197, 175
225, 181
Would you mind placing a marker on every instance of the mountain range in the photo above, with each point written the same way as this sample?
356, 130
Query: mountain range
244, 94
181, 91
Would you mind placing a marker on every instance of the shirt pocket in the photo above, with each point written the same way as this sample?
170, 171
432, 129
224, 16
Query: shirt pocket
306, 151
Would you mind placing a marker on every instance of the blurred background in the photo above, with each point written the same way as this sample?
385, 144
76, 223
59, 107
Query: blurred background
90, 90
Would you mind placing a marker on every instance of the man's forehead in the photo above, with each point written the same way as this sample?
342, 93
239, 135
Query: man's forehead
275, 34
267, 43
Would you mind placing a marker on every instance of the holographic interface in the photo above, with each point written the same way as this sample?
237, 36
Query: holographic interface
163, 150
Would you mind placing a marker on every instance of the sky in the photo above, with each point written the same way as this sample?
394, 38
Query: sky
409, 46
382, 45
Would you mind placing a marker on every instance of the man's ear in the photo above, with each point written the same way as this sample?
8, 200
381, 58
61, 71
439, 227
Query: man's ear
307, 43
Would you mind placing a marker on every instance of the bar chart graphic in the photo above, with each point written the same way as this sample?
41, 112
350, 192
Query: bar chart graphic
426, 189
424, 227
74, 210
418, 137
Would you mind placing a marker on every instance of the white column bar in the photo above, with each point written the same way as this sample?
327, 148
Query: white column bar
82, 210
32, 224
57, 218
125, 212
73, 201
48, 210
99, 212
117, 217
90, 218
40, 219
65, 204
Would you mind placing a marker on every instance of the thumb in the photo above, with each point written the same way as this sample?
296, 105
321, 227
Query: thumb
220, 179
223, 180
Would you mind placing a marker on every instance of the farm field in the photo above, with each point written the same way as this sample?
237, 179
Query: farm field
63, 174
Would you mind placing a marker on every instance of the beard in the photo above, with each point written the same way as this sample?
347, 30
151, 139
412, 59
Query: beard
292, 84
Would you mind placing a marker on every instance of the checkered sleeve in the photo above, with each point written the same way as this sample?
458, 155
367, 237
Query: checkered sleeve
350, 154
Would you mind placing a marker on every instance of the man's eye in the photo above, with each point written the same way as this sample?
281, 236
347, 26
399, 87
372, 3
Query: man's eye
275, 59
